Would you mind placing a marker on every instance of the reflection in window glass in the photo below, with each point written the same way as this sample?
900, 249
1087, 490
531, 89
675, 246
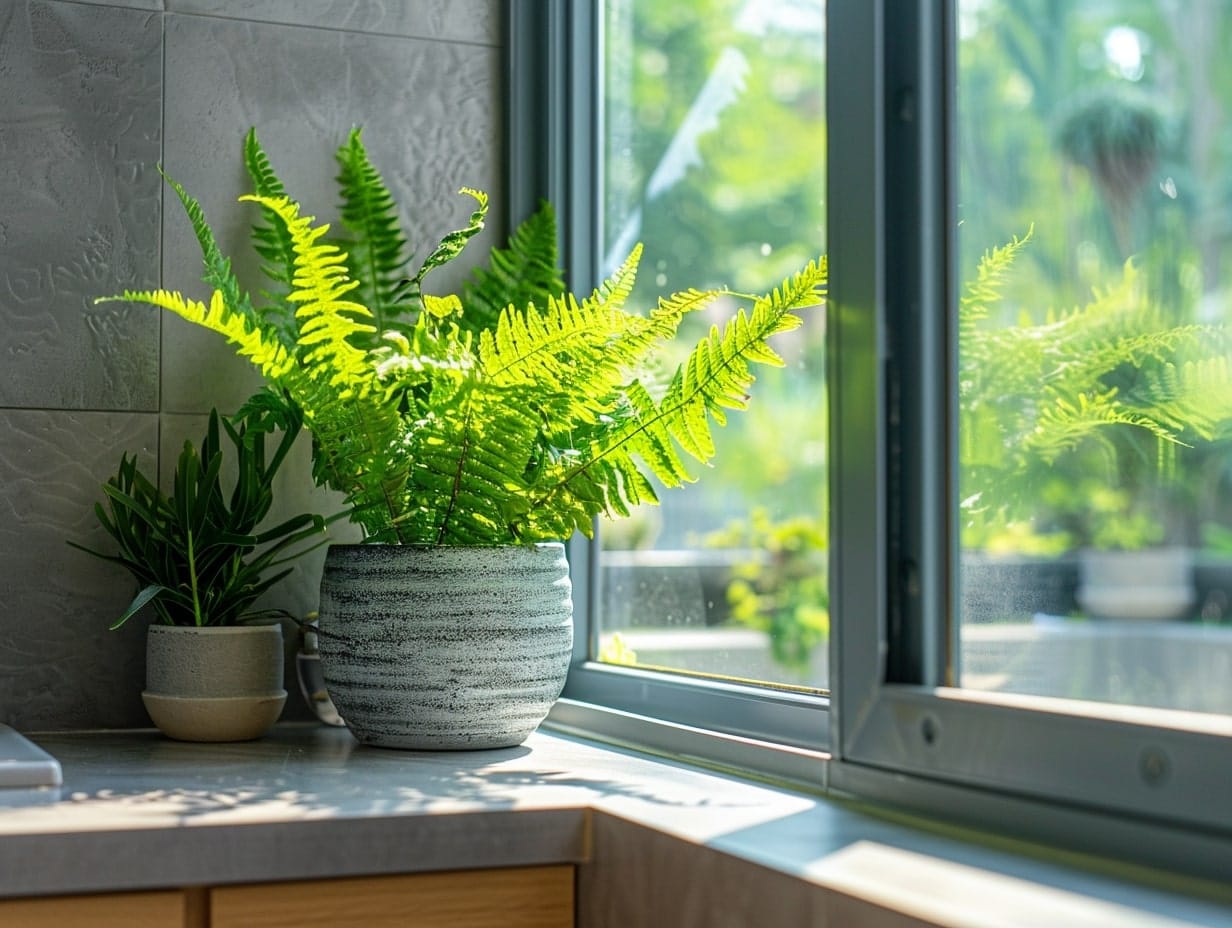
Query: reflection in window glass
1095, 394
713, 153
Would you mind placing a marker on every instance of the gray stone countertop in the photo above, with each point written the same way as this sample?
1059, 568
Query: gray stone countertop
137, 810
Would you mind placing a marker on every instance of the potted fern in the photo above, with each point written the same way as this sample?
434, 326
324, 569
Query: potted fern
471, 434
214, 665
1070, 430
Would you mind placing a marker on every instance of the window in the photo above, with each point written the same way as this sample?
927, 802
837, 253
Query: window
918, 721
711, 139
1082, 148
703, 139
1095, 453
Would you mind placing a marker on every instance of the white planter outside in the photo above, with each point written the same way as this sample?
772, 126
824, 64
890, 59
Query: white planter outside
214, 683
445, 648
1150, 584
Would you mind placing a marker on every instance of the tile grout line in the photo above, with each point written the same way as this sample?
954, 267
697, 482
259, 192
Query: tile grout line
162, 239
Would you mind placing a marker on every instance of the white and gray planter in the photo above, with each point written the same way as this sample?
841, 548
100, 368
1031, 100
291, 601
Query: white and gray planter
445, 648
1150, 584
214, 683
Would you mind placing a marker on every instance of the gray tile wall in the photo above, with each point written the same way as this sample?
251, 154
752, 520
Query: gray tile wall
94, 94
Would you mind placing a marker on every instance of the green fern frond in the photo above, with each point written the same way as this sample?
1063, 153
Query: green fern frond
1192, 398
471, 463
985, 288
326, 320
218, 274
618, 287
607, 478
359, 450
377, 249
449, 247
562, 344
523, 273
634, 335
1063, 423
580, 355
354, 419
273, 358
270, 238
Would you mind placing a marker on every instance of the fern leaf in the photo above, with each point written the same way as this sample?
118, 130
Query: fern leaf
607, 478
351, 413
273, 358
218, 274
270, 238
326, 320
525, 272
470, 455
1062, 424
376, 247
570, 350
985, 288
582, 354
449, 247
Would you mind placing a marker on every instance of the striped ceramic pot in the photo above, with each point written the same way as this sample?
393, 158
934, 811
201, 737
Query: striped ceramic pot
444, 648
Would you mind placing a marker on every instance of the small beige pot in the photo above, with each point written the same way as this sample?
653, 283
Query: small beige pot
214, 684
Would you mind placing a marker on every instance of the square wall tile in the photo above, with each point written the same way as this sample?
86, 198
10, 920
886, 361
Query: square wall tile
80, 135
430, 112
475, 21
60, 666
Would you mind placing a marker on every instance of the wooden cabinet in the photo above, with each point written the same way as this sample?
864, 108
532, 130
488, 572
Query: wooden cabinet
532, 897
523, 897
118, 910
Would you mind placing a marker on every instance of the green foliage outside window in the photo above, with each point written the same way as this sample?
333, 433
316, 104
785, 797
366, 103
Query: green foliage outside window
782, 588
1070, 428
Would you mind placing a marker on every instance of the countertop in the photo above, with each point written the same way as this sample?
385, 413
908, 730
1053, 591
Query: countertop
137, 810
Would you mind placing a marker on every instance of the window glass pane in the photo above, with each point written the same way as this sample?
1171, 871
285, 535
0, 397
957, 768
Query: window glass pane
1095, 399
713, 157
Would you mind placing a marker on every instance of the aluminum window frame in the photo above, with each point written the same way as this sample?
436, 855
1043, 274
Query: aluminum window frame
1141, 784
554, 67
1132, 783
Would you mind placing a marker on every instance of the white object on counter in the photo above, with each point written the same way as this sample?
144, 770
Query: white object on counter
25, 765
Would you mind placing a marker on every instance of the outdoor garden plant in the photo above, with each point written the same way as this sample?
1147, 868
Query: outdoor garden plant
510, 413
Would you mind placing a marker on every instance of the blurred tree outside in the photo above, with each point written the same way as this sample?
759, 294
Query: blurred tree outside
714, 147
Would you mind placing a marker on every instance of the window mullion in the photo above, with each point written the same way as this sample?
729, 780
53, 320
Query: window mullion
854, 93
919, 237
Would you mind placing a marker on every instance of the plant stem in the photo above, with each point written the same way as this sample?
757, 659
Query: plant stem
192, 579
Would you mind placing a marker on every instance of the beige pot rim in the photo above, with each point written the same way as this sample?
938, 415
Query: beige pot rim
216, 629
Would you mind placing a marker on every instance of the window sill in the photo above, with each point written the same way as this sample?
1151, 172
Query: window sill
656, 841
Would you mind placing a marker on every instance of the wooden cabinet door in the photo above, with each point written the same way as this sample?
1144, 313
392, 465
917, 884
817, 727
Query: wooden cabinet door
524, 897
113, 910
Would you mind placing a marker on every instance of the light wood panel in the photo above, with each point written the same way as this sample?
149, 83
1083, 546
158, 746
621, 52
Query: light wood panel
529, 897
115, 910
